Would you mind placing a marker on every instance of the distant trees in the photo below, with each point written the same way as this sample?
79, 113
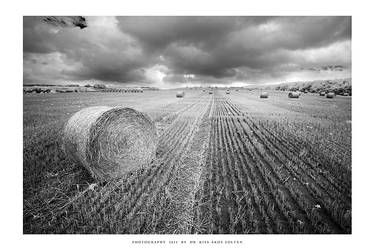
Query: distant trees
338, 86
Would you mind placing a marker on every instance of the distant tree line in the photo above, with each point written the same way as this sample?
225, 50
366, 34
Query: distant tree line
338, 86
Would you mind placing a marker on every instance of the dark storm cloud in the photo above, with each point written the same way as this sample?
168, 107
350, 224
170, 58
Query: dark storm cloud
211, 49
215, 45
158, 32
68, 21
101, 51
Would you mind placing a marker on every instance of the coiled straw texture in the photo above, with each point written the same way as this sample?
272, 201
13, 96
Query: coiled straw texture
109, 142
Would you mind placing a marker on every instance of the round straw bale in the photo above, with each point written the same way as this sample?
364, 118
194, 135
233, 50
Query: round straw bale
109, 141
180, 94
293, 95
264, 95
330, 95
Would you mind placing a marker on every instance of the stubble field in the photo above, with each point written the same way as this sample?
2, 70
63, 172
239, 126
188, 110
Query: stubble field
225, 163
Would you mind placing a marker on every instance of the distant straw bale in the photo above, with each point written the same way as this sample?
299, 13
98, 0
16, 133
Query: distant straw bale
264, 95
293, 94
109, 142
180, 94
99, 86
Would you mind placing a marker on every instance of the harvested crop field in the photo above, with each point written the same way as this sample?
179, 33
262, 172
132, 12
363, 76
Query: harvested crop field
225, 164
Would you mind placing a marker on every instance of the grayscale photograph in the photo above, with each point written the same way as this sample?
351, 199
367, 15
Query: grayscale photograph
187, 125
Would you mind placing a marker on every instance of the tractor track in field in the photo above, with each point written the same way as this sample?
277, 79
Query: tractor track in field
171, 163
184, 183
250, 168
171, 111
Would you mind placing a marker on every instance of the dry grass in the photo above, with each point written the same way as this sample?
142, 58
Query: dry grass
274, 166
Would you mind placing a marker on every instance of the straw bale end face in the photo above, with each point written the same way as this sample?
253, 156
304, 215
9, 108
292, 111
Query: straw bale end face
109, 142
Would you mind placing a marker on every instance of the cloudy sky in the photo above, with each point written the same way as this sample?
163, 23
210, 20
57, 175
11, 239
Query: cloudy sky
186, 51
